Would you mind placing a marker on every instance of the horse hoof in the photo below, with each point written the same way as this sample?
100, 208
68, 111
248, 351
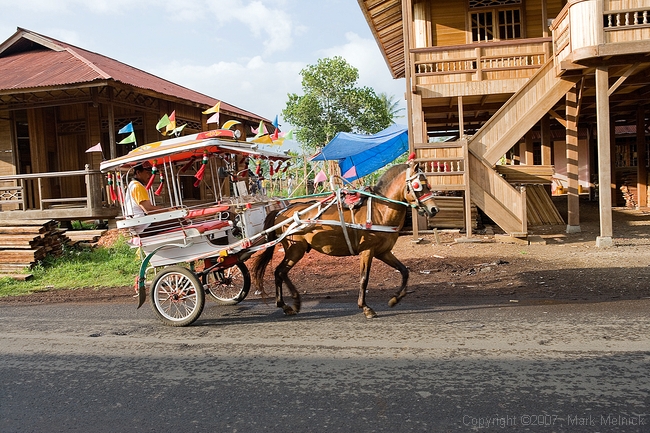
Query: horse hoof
393, 301
369, 313
288, 311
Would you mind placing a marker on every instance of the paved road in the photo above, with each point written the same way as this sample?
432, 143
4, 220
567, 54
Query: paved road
516, 367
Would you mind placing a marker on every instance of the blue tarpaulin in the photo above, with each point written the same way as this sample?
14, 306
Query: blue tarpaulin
359, 155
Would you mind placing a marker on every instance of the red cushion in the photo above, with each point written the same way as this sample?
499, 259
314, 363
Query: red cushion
195, 213
201, 227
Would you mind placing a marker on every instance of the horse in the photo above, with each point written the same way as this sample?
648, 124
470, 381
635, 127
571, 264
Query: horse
383, 213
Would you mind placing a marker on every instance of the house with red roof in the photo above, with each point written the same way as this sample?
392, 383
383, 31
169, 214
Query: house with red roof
57, 101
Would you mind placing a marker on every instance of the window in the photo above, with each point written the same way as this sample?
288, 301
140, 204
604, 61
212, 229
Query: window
490, 20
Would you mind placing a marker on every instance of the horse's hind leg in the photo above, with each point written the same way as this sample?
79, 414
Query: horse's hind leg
366, 262
392, 261
293, 253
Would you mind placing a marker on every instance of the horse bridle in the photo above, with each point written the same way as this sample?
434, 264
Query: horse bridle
414, 185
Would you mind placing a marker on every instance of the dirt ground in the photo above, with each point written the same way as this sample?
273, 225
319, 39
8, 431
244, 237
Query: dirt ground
451, 270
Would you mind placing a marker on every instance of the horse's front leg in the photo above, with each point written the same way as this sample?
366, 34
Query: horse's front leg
292, 255
392, 261
366, 262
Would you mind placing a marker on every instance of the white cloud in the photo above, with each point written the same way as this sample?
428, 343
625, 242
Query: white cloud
274, 27
252, 84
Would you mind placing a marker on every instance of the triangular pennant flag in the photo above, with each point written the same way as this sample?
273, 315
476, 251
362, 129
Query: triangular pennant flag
262, 139
320, 177
164, 121
213, 119
259, 130
288, 135
214, 109
129, 139
95, 148
126, 129
275, 122
169, 129
177, 131
352, 172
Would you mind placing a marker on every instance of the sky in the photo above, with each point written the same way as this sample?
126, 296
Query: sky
247, 53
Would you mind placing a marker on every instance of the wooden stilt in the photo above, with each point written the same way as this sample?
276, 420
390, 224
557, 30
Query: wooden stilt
604, 157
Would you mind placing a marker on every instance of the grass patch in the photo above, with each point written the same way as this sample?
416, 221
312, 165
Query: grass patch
114, 266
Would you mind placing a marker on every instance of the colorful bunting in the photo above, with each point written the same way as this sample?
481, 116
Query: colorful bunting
126, 129
95, 148
275, 122
213, 119
169, 129
129, 139
163, 122
352, 172
214, 109
320, 177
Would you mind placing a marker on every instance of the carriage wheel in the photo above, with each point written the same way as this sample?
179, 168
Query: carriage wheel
177, 296
229, 286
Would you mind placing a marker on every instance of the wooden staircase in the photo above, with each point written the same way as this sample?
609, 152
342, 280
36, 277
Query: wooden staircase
520, 113
503, 203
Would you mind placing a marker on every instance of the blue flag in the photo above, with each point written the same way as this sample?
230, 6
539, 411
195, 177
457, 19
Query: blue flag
127, 129
275, 122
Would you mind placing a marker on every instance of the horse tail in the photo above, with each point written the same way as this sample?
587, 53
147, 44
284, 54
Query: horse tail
258, 269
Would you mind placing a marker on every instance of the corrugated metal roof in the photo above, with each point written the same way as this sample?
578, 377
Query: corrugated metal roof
32, 61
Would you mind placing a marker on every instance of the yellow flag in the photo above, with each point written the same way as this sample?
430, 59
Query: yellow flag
229, 124
214, 109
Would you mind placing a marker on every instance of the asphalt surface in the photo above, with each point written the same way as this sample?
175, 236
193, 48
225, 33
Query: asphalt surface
540, 367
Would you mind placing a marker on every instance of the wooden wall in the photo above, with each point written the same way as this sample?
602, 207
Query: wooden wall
7, 164
448, 20
450, 26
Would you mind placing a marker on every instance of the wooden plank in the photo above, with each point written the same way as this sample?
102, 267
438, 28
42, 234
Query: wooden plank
17, 277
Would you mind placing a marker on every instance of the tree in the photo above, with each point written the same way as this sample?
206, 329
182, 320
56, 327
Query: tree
332, 102
392, 106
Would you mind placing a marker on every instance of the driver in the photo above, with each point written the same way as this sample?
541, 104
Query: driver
137, 201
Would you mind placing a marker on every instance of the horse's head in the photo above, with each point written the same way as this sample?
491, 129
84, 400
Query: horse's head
417, 192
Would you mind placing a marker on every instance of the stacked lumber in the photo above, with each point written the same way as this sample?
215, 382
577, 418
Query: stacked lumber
84, 237
540, 207
25, 242
451, 214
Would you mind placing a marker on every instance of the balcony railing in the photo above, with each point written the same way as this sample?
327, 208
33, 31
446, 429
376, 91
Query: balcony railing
585, 24
29, 192
480, 61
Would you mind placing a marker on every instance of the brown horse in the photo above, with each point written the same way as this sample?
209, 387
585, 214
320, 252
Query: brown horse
371, 230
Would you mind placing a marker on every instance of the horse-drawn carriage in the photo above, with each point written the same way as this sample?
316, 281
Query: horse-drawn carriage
198, 248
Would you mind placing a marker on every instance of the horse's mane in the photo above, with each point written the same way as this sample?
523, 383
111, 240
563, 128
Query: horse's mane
386, 178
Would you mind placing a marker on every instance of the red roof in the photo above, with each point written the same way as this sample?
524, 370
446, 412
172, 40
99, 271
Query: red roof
30, 61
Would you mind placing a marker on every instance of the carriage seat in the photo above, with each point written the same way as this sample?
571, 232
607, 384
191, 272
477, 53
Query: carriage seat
183, 232
208, 211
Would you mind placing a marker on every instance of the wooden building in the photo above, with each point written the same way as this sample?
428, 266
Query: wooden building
57, 101
559, 89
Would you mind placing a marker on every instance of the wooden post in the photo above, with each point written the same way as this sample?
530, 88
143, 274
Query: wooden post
407, 8
642, 171
572, 168
604, 158
526, 153
612, 162
546, 140
111, 124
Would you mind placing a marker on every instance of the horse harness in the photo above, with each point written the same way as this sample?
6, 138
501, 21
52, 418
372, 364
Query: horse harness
352, 200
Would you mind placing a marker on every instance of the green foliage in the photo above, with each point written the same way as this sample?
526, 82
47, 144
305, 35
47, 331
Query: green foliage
115, 266
333, 103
